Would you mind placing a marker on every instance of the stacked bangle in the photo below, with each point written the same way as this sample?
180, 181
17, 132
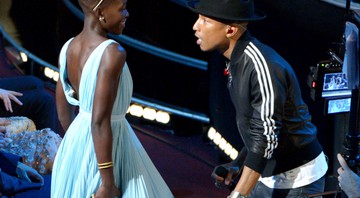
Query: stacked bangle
105, 165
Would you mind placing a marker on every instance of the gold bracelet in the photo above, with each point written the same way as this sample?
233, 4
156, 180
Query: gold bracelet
105, 165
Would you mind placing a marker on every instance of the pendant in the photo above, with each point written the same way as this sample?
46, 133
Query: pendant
226, 72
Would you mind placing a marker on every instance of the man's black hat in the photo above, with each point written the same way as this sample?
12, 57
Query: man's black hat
227, 10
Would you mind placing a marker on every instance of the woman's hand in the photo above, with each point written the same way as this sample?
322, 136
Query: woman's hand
6, 96
107, 192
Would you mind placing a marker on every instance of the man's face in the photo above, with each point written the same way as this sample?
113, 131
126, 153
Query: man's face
211, 34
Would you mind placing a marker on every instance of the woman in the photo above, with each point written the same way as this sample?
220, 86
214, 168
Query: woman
100, 156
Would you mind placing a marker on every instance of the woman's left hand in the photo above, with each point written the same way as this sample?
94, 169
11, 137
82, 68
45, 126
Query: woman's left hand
107, 191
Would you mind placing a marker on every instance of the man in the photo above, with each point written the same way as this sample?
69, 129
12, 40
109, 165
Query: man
348, 180
282, 156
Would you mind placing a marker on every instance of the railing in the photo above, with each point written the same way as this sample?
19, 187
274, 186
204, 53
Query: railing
176, 111
184, 60
21, 49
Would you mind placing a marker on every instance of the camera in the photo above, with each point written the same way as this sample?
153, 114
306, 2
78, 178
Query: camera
329, 84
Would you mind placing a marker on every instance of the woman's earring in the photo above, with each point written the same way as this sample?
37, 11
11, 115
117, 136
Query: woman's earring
102, 18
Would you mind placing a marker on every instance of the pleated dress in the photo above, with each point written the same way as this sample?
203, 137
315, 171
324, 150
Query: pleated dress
75, 171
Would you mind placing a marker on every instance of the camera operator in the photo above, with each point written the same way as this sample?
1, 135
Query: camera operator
348, 180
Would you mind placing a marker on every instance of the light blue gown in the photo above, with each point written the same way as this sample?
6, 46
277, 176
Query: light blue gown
75, 171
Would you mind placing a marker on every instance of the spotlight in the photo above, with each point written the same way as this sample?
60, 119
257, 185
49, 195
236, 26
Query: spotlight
136, 110
162, 117
221, 142
211, 133
149, 113
49, 72
23, 57
56, 76
217, 138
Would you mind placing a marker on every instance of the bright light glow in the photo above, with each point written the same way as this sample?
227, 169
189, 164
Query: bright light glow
162, 117
136, 110
56, 76
48, 72
211, 133
217, 138
24, 57
222, 144
234, 153
149, 113
228, 149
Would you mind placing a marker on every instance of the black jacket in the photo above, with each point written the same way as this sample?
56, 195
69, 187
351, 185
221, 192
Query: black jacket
271, 116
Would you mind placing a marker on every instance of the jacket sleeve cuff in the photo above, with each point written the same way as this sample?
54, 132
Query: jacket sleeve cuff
255, 162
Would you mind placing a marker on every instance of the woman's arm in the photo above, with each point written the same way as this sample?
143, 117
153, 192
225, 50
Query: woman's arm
65, 111
106, 90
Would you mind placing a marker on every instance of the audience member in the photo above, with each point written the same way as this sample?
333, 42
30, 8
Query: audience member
26, 96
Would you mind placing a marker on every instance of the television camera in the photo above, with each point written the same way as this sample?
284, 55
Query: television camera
336, 82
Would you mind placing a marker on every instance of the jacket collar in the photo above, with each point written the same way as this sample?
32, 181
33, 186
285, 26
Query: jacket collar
240, 46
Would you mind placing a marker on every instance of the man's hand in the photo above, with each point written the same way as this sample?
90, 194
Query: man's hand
348, 180
224, 175
29, 174
6, 96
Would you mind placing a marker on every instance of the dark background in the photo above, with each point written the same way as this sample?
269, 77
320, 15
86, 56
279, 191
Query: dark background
302, 31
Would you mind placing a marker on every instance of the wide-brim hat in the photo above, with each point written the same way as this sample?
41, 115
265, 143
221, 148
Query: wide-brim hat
227, 10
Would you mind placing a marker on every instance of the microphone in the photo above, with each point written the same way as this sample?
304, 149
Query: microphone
223, 172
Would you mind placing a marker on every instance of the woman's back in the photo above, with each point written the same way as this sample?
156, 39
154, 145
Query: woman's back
77, 54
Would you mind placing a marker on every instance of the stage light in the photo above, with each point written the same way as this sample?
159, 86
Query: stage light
48, 72
24, 57
217, 138
56, 76
136, 110
228, 149
211, 133
149, 113
162, 117
221, 142
234, 153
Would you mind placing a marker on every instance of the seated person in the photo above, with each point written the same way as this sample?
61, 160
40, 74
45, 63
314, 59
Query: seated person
36, 147
25, 96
